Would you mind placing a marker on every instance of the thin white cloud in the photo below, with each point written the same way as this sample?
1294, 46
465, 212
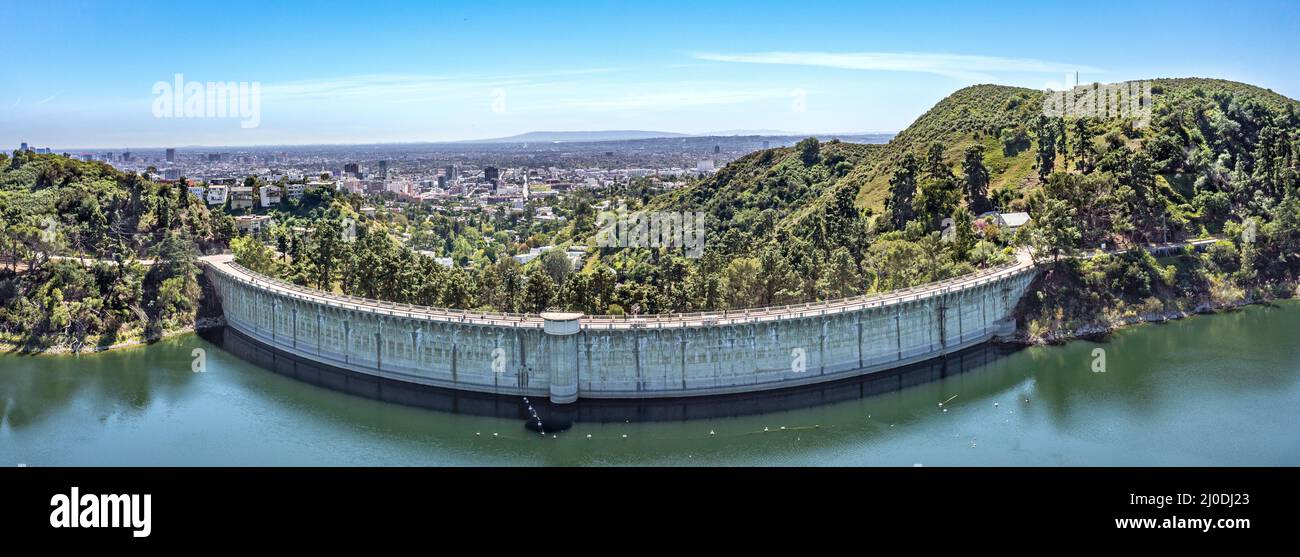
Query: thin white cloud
964, 67
398, 87
676, 96
535, 92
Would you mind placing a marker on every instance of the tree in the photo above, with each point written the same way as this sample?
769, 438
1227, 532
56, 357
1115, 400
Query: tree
1062, 144
963, 234
977, 179
935, 166
740, 283
1046, 157
556, 264
539, 291
1083, 145
326, 250
902, 189
935, 200
777, 281
894, 264
809, 151
254, 255
1054, 232
841, 279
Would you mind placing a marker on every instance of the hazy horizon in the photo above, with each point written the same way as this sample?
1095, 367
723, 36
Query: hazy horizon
482, 141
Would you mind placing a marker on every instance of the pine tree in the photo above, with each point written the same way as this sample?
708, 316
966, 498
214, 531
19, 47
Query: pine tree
902, 188
977, 179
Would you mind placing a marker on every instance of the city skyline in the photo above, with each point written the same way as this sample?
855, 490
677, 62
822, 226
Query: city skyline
351, 75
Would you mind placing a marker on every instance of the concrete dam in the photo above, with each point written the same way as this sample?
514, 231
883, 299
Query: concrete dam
567, 356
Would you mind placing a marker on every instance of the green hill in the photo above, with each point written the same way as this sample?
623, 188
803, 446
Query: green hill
1215, 152
1000, 118
71, 233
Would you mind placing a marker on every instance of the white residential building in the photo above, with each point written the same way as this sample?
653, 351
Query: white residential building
270, 195
216, 195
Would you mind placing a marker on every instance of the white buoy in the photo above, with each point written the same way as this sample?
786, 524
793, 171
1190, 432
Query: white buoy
588, 436
476, 434
945, 410
995, 405
625, 436
711, 432
494, 434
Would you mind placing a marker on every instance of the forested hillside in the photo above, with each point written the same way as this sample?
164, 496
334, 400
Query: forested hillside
1216, 157
73, 235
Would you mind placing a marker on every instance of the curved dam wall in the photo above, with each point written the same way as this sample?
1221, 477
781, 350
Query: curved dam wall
569, 356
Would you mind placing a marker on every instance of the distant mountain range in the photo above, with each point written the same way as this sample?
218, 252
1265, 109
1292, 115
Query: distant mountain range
579, 136
629, 135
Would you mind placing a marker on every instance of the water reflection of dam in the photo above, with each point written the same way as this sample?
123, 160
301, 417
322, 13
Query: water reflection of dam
607, 410
565, 357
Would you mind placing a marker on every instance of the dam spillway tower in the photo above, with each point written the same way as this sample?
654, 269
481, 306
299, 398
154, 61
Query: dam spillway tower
560, 348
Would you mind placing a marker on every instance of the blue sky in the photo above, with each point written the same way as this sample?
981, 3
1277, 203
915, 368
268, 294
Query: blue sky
80, 74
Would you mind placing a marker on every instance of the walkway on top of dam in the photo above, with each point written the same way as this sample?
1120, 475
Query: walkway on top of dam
225, 264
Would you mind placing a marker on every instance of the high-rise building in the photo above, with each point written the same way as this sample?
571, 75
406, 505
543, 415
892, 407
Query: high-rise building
171, 155
126, 157
352, 168
383, 170
717, 149
451, 173
491, 174
24, 147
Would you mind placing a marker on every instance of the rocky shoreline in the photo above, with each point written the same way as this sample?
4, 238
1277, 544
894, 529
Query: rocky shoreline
200, 324
1101, 328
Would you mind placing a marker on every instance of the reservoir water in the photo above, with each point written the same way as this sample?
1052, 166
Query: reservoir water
1212, 390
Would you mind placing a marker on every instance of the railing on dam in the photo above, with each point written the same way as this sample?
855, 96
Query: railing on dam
1022, 263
